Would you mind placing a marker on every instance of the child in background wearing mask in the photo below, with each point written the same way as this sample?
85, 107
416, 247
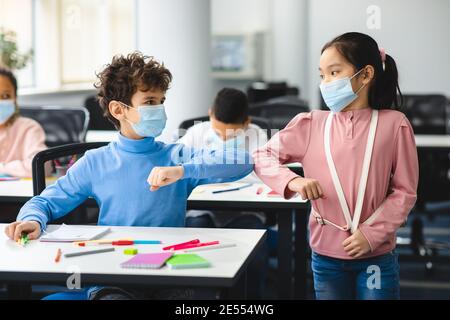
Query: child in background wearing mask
20, 138
361, 170
230, 128
131, 93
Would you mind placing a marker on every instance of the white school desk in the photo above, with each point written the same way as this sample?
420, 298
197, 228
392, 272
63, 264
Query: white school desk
291, 277
34, 263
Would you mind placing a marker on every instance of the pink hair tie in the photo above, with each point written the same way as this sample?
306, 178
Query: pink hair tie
383, 55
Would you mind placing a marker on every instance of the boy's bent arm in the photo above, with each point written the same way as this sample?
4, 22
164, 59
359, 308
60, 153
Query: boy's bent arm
212, 166
61, 197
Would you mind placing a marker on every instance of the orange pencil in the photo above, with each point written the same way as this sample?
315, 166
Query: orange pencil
58, 255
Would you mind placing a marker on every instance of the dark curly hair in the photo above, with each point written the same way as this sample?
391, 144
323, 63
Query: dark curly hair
121, 79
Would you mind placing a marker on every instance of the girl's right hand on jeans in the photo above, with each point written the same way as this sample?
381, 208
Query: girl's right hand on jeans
32, 228
309, 189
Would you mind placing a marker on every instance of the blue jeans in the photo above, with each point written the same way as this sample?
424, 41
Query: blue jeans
374, 278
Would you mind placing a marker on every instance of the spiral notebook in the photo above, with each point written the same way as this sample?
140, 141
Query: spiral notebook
68, 233
147, 260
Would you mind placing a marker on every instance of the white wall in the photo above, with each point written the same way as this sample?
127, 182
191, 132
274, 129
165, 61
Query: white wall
283, 21
414, 32
178, 33
289, 42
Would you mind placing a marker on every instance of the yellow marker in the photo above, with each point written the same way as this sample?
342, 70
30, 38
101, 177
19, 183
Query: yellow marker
131, 251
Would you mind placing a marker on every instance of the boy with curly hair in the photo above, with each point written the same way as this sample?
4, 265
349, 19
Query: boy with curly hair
131, 93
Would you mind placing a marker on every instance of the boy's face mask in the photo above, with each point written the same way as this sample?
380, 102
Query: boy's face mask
7, 109
339, 93
216, 142
152, 120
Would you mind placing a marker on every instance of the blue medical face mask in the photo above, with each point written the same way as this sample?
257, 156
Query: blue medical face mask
216, 142
339, 93
152, 120
7, 109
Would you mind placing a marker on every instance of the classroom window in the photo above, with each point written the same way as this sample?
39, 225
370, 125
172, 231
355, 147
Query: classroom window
17, 16
92, 31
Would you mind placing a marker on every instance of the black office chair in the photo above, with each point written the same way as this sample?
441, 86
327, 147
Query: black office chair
427, 113
279, 111
96, 119
263, 91
62, 125
63, 154
433, 197
260, 122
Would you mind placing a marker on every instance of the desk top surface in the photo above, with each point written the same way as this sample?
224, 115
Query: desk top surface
38, 257
24, 189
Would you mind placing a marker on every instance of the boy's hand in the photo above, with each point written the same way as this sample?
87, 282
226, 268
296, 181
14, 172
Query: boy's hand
356, 245
32, 228
163, 176
309, 189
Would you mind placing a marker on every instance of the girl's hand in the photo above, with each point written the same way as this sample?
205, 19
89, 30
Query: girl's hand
163, 176
32, 228
356, 245
309, 189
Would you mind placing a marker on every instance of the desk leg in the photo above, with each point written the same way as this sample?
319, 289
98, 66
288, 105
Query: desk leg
300, 253
239, 290
18, 292
285, 274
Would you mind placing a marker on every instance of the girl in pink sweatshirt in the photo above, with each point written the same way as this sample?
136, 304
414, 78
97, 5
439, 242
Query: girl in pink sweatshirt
361, 170
20, 138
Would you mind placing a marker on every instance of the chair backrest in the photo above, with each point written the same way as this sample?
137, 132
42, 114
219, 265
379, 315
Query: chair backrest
427, 113
279, 111
96, 119
263, 91
50, 154
62, 125
434, 179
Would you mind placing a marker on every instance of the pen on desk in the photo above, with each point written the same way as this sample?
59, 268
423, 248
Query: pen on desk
82, 253
181, 244
212, 247
116, 242
58, 255
196, 245
233, 189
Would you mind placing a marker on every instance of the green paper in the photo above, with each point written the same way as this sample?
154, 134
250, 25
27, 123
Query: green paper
185, 261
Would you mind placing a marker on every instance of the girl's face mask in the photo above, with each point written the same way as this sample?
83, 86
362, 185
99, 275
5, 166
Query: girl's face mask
338, 94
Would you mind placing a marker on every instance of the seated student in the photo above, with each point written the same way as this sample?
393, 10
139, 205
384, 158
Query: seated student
20, 138
131, 92
230, 128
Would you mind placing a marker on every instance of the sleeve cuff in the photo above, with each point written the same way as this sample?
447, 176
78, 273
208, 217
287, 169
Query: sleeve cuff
366, 233
285, 191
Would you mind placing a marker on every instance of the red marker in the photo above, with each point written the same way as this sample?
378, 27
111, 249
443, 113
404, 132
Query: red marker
175, 246
196, 245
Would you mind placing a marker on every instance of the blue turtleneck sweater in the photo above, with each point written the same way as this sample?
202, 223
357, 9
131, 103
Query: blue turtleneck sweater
116, 177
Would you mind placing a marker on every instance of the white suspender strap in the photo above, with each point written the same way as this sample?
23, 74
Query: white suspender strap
352, 225
365, 170
334, 175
